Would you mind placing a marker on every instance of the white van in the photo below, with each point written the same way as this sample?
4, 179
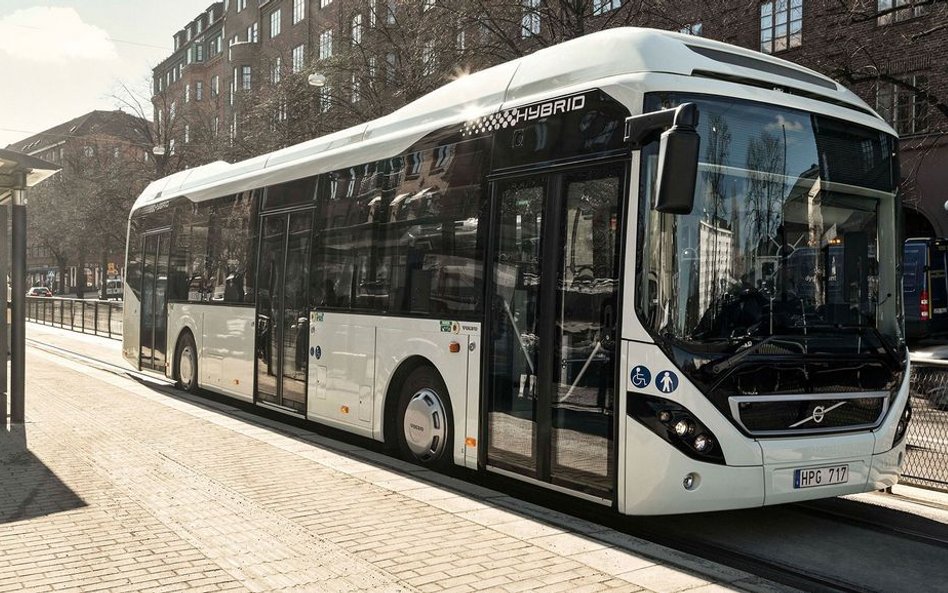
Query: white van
114, 288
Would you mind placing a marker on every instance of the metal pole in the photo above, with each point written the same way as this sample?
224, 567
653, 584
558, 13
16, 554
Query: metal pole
18, 328
4, 312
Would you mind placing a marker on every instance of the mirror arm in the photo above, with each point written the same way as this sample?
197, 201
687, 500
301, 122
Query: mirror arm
646, 128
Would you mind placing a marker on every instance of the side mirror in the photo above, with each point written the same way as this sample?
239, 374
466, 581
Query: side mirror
678, 151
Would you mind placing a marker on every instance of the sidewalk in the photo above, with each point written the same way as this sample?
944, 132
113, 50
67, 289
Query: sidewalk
112, 486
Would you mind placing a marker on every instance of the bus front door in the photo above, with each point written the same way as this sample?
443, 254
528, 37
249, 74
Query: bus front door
282, 328
553, 328
153, 337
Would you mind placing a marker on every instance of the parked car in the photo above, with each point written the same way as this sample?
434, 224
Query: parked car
39, 291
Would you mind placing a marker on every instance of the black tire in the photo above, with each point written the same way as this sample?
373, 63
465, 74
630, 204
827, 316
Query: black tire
186, 354
423, 397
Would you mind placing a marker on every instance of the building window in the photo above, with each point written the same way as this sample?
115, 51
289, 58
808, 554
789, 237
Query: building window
781, 23
325, 44
325, 99
253, 33
896, 11
373, 14
692, 29
187, 93
390, 12
299, 10
604, 6
198, 90
901, 106
460, 41
298, 56
357, 29
324, 3
428, 58
427, 5
356, 88
88, 151
275, 22
530, 23
390, 68
199, 52
371, 70
275, 72
245, 78
187, 134
216, 85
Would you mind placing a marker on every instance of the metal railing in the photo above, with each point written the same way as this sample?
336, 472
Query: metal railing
926, 462
101, 318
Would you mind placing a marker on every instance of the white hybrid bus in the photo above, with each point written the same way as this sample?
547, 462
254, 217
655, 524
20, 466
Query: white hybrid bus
646, 269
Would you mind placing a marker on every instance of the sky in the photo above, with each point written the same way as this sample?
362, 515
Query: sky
60, 59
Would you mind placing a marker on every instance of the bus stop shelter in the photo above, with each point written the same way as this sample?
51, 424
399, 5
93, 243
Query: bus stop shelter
18, 173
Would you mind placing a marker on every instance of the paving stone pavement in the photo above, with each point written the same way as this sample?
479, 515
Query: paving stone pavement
114, 486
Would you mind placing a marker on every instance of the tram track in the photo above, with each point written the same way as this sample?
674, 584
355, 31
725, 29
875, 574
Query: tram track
858, 514
689, 534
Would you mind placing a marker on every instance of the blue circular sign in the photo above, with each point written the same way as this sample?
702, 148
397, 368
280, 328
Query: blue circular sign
666, 381
641, 376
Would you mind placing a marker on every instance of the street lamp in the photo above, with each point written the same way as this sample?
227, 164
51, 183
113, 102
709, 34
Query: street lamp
316, 79
158, 151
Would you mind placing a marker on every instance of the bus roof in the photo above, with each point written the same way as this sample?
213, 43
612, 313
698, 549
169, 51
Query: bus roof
564, 66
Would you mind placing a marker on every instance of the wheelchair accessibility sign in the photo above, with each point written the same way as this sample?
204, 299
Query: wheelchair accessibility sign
641, 376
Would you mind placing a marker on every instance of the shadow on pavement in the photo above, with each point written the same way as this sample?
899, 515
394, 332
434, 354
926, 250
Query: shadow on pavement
29, 489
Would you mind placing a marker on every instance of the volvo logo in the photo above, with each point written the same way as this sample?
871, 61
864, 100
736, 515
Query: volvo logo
818, 415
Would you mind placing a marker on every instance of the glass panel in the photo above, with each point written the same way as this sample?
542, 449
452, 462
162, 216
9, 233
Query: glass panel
269, 297
228, 249
584, 368
295, 321
515, 333
784, 240
148, 299
161, 300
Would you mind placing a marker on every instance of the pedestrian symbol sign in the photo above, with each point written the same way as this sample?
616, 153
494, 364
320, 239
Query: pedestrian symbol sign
641, 377
666, 381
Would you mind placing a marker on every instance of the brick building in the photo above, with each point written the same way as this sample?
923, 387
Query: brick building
101, 154
236, 84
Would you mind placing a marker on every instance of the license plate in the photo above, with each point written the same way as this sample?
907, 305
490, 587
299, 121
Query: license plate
810, 477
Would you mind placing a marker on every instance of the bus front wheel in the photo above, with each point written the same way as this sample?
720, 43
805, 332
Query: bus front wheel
187, 364
425, 433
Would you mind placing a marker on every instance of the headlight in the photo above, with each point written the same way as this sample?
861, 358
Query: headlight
902, 427
676, 425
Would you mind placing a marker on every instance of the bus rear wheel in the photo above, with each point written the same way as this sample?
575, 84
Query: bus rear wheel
424, 429
186, 364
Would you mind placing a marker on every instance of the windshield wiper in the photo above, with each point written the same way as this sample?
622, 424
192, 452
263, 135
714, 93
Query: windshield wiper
732, 360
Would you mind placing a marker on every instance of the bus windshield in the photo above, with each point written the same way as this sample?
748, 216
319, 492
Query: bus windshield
793, 233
